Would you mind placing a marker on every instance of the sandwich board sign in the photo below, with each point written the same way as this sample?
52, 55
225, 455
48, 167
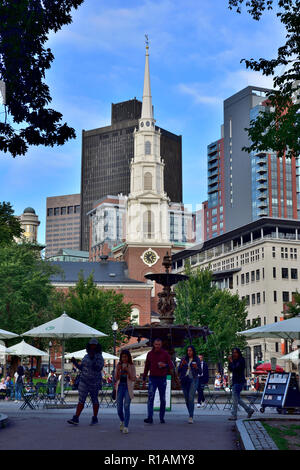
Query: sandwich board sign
281, 391
168, 396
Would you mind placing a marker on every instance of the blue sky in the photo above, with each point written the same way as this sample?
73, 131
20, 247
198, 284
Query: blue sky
195, 52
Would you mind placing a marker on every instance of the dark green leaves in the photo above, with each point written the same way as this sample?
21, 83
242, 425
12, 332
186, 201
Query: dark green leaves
9, 225
24, 29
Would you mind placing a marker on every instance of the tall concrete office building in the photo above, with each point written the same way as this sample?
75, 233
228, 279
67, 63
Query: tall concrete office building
244, 187
237, 167
106, 156
62, 223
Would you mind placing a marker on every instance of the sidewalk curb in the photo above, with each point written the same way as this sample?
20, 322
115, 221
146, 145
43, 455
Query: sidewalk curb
246, 442
3, 420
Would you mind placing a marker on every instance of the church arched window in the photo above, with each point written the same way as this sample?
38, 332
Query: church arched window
135, 316
148, 180
148, 224
147, 147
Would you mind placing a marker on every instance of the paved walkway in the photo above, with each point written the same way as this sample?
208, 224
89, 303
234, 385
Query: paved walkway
259, 436
47, 429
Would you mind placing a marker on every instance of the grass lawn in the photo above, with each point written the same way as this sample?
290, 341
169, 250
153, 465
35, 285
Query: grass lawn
285, 434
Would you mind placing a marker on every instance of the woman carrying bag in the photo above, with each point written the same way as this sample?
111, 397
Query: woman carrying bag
125, 377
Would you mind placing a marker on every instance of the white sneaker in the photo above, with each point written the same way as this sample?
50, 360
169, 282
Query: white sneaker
198, 405
125, 430
121, 426
190, 421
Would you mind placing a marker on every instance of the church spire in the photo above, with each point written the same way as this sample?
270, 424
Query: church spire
147, 110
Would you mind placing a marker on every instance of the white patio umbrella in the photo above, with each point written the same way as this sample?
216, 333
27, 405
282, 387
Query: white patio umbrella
3, 350
7, 334
24, 349
292, 356
285, 329
80, 355
62, 328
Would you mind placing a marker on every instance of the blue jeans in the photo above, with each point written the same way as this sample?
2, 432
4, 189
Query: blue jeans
18, 391
155, 383
201, 397
189, 387
123, 403
236, 399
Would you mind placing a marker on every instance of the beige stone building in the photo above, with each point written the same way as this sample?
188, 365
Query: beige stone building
261, 262
30, 224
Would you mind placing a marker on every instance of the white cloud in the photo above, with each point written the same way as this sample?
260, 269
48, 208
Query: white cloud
195, 90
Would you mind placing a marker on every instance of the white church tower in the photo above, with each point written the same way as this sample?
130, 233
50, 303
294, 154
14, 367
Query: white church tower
147, 205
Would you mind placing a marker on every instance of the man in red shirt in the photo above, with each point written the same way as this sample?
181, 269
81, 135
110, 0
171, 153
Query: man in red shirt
159, 364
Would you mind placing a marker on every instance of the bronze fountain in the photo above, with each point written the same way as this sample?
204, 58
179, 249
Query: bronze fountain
172, 335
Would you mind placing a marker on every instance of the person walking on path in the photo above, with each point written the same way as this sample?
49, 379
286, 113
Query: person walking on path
189, 370
125, 376
236, 365
159, 364
19, 383
203, 380
90, 380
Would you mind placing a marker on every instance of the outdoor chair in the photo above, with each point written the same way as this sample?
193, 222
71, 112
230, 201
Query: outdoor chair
210, 399
228, 400
41, 393
28, 395
254, 400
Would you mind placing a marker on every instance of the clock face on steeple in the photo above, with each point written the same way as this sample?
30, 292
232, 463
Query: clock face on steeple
150, 257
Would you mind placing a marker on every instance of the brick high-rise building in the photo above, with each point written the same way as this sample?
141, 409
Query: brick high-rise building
106, 156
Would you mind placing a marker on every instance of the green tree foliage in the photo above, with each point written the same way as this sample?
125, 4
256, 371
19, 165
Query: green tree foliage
98, 308
278, 127
24, 30
293, 308
25, 288
201, 303
10, 226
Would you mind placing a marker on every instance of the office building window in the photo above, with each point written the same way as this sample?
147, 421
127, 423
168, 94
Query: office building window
258, 297
70, 209
265, 321
285, 273
76, 209
243, 278
63, 210
275, 319
274, 252
56, 210
252, 276
253, 299
264, 297
257, 274
247, 278
275, 295
49, 212
294, 273
276, 347
285, 296
274, 273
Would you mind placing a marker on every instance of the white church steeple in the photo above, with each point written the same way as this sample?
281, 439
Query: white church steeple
147, 108
147, 205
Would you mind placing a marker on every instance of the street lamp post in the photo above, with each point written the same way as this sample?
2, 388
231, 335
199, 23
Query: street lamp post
115, 329
50, 346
